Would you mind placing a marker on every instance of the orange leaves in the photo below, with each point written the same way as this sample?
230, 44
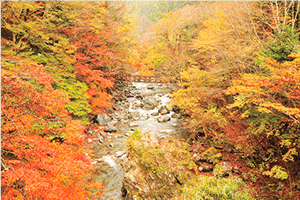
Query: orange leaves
268, 105
272, 90
75, 132
35, 123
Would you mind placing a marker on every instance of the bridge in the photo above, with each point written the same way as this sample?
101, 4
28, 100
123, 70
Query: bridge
142, 78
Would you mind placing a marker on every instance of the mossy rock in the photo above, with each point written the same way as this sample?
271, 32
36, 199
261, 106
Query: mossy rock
211, 156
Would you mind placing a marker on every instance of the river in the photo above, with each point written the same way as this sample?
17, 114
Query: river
135, 111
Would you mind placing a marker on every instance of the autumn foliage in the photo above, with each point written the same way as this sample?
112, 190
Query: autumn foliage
236, 65
42, 152
58, 62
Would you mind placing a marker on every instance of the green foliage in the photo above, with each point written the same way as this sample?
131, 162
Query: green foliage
161, 167
79, 105
155, 10
277, 172
285, 42
166, 168
211, 188
268, 105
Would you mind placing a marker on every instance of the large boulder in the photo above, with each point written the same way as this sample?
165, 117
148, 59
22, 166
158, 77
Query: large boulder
205, 167
150, 87
163, 110
176, 109
155, 113
110, 128
137, 104
225, 169
101, 119
163, 118
151, 103
211, 156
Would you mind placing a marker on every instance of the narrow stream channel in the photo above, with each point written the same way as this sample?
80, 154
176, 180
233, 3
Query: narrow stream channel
143, 105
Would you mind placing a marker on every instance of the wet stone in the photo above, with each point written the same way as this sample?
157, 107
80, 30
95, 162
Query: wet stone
207, 167
132, 125
101, 119
150, 87
163, 118
120, 153
150, 103
163, 110
110, 129
174, 115
155, 113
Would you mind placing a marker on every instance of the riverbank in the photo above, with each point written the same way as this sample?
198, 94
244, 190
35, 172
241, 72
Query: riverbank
142, 106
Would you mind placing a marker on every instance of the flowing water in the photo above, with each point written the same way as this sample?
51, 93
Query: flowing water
132, 115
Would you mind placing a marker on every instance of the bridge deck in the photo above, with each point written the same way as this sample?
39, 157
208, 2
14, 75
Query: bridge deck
143, 78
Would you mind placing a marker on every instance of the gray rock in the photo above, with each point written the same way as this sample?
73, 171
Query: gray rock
129, 94
155, 113
102, 119
110, 128
174, 115
89, 140
150, 103
127, 133
120, 153
163, 110
99, 139
127, 116
132, 125
150, 87
139, 96
176, 109
163, 118
101, 133
207, 167
137, 104
224, 168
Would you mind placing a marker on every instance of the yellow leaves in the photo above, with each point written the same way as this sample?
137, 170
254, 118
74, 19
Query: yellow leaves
277, 172
289, 155
198, 78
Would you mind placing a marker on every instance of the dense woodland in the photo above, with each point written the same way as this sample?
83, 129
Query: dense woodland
235, 67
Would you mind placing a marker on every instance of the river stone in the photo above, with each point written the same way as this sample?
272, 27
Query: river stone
150, 87
139, 96
150, 103
110, 128
127, 116
163, 118
207, 167
211, 156
163, 110
89, 140
223, 169
174, 115
102, 119
129, 94
120, 153
176, 109
155, 113
132, 125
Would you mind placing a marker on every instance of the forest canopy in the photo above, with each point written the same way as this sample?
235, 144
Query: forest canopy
235, 72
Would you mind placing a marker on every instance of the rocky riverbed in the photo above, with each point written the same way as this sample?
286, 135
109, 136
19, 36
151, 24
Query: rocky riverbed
142, 106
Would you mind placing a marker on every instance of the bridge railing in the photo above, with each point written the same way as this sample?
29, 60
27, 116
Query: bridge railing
142, 78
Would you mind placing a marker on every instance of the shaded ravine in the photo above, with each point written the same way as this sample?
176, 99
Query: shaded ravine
139, 109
